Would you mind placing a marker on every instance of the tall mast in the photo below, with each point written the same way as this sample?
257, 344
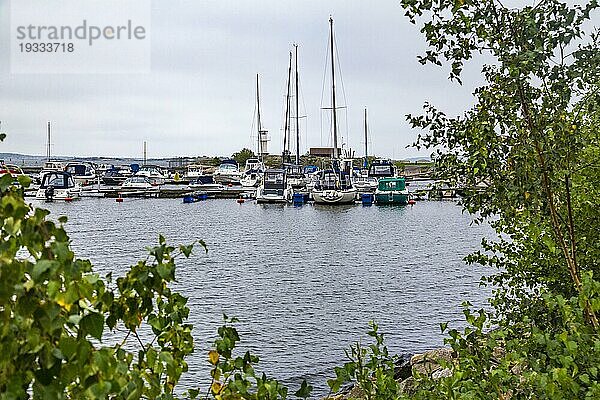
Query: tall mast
297, 115
48, 144
286, 129
145, 153
259, 148
366, 143
335, 145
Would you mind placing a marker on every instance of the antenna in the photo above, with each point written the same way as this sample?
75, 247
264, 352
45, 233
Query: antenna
48, 144
259, 148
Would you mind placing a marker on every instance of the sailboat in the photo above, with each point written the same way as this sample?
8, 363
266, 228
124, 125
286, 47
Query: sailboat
295, 172
334, 186
361, 179
255, 167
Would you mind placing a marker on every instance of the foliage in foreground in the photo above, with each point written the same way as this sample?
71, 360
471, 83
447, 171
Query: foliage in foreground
55, 314
527, 154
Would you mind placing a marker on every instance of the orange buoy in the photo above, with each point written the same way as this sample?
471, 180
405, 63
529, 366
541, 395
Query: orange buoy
230, 185
412, 202
119, 199
240, 200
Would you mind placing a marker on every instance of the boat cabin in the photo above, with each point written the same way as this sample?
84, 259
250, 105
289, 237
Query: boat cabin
294, 170
194, 170
391, 184
382, 169
53, 166
58, 180
253, 164
274, 181
79, 169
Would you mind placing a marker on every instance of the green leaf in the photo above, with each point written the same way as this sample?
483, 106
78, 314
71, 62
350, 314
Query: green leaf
41, 267
304, 391
92, 324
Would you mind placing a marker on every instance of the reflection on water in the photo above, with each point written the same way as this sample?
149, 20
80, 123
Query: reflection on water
304, 281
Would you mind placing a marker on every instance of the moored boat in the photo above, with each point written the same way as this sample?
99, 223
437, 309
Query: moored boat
274, 187
228, 173
155, 174
334, 186
114, 177
382, 169
83, 173
391, 191
58, 185
253, 172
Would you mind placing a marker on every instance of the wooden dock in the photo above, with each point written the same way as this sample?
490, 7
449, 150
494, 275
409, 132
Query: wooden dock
168, 192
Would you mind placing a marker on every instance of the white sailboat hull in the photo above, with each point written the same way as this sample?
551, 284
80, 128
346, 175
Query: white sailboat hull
334, 196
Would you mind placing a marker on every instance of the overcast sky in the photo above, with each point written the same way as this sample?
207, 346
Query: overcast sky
199, 98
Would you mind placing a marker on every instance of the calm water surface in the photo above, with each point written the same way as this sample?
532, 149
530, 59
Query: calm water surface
304, 282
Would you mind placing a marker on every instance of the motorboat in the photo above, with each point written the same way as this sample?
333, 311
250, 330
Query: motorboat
83, 173
295, 176
392, 191
197, 173
228, 173
138, 182
58, 185
274, 187
156, 175
114, 177
253, 172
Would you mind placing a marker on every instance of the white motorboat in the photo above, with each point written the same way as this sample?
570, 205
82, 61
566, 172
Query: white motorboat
58, 185
274, 187
83, 173
364, 184
228, 173
155, 174
137, 182
253, 173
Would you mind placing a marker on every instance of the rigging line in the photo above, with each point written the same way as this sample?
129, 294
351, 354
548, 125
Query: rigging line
252, 142
323, 90
343, 91
303, 116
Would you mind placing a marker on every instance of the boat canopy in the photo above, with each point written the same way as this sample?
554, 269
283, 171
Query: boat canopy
78, 169
274, 179
381, 169
58, 180
229, 161
391, 184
